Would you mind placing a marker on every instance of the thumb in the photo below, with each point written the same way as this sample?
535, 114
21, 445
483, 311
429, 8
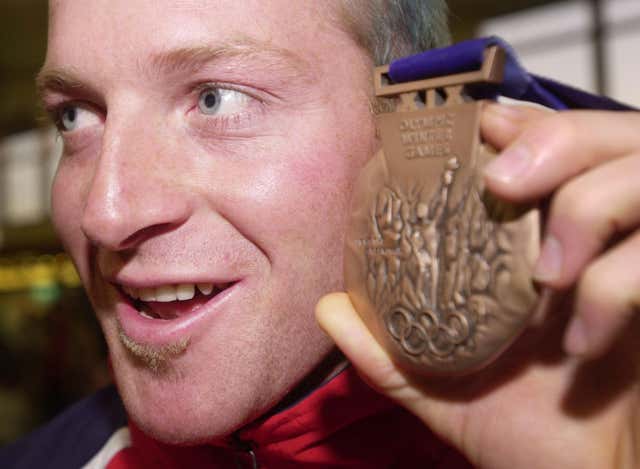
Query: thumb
340, 320
337, 316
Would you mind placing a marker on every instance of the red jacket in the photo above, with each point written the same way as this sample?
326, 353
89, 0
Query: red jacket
343, 424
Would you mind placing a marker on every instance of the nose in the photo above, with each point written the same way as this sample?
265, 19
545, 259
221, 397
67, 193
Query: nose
134, 194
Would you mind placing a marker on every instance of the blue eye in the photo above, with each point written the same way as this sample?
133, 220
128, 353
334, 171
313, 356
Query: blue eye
222, 101
72, 117
69, 118
209, 101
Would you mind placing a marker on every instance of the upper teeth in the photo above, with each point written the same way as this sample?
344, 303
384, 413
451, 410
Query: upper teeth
167, 293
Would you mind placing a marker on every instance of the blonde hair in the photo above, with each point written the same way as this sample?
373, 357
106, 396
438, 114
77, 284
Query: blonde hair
390, 29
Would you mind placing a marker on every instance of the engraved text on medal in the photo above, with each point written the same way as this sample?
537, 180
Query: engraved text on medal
427, 136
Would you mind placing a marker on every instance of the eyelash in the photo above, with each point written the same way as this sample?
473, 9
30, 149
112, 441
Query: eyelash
218, 123
55, 114
221, 123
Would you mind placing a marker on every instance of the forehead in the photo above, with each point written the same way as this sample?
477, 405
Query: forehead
86, 30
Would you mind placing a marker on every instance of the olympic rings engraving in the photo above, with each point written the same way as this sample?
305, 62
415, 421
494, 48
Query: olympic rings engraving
426, 332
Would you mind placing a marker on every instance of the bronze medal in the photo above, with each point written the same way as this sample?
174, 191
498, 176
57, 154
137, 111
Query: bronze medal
439, 270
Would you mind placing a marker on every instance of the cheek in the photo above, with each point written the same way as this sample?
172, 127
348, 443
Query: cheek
66, 213
322, 188
308, 207
318, 185
64, 204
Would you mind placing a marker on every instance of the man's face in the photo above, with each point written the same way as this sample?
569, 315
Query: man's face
210, 142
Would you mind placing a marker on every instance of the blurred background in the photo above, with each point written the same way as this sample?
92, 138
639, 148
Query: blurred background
51, 350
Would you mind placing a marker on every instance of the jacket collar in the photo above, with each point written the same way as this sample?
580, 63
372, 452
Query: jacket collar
284, 436
334, 405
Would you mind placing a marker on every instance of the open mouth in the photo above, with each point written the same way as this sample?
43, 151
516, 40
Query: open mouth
168, 302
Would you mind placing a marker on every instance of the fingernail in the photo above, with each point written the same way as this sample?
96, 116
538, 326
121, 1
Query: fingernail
512, 163
549, 265
576, 341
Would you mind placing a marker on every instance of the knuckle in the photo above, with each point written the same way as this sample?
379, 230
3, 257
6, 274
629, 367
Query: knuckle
599, 287
575, 204
532, 115
559, 128
593, 281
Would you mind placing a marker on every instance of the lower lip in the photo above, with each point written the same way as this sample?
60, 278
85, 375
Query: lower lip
161, 332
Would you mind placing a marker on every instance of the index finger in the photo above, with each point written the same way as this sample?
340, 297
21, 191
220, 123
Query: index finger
547, 150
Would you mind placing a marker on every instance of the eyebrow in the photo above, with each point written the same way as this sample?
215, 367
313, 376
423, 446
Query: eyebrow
59, 80
188, 60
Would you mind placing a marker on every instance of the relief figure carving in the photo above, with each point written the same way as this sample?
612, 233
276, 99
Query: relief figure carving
436, 273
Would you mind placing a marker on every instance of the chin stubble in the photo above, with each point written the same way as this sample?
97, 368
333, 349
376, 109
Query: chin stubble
155, 358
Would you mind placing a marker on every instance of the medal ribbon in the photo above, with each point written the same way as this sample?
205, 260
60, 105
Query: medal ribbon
517, 83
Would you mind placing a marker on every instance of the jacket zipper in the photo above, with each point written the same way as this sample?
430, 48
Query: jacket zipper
245, 456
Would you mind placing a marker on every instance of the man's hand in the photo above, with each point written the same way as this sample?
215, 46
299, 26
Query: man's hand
567, 393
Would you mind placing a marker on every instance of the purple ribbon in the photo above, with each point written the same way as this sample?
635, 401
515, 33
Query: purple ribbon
517, 83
